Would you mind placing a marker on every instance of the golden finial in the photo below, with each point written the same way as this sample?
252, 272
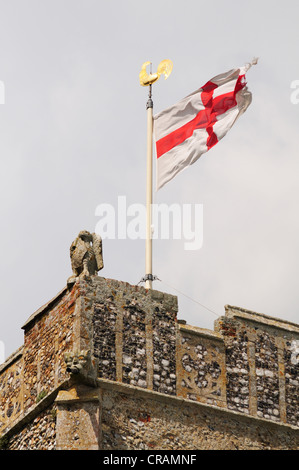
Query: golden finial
165, 68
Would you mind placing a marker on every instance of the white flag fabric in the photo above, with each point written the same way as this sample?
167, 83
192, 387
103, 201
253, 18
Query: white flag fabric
195, 124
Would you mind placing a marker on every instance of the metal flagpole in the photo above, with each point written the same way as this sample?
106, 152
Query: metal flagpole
165, 67
149, 193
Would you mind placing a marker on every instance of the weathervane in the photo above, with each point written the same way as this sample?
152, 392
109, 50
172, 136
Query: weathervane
164, 68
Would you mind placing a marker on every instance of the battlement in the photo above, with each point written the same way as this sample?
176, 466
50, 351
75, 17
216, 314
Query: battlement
101, 339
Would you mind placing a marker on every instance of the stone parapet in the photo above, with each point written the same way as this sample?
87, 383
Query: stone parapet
101, 334
262, 372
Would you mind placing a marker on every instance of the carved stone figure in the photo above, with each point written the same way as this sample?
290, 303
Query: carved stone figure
76, 361
86, 255
81, 365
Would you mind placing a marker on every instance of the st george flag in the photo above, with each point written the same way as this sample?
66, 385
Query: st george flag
191, 127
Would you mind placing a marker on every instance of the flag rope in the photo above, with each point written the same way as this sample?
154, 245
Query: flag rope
188, 297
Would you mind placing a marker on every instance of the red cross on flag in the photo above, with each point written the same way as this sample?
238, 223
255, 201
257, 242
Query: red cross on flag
195, 124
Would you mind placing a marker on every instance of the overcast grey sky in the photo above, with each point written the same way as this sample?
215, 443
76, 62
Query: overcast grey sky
73, 136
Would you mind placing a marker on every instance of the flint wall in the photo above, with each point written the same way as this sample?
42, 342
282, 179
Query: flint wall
245, 367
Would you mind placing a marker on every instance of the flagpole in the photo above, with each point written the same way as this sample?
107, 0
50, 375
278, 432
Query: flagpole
164, 68
149, 192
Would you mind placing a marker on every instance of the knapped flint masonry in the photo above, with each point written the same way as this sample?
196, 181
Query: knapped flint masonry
107, 365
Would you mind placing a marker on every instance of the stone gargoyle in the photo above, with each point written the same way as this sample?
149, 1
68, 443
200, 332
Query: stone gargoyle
81, 365
86, 256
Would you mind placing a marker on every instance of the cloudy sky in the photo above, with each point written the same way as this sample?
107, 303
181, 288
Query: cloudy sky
73, 137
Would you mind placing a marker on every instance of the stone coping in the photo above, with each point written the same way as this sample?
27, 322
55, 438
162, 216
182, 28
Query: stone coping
154, 295
12, 358
45, 307
210, 334
242, 313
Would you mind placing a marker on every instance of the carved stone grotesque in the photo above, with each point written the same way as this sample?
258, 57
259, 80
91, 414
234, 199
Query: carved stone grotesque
86, 256
81, 365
